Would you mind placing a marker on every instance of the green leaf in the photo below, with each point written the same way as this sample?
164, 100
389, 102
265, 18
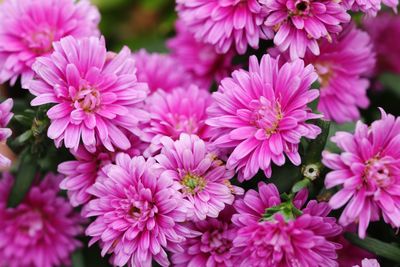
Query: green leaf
376, 246
391, 81
20, 140
300, 185
25, 175
316, 146
77, 259
346, 127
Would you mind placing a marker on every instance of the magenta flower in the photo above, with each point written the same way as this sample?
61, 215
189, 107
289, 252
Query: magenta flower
225, 24
5, 117
288, 237
138, 213
342, 67
203, 179
369, 263
213, 245
42, 230
29, 27
96, 94
160, 71
369, 171
261, 114
382, 28
199, 59
180, 111
299, 24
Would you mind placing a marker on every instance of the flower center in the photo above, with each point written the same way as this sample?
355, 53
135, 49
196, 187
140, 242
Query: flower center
267, 115
302, 6
88, 99
216, 242
40, 42
193, 183
377, 172
134, 212
32, 223
324, 73
185, 125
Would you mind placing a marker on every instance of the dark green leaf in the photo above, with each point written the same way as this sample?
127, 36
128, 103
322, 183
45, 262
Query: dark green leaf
388, 251
77, 259
316, 146
300, 185
25, 175
391, 82
23, 137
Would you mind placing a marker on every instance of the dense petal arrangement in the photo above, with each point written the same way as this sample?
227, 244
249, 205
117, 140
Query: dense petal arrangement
261, 114
160, 71
368, 263
300, 24
382, 28
96, 94
28, 28
213, 246
203, 179
41, 231
138, 213
370, 7
288, 237
225, 24
342, 67
5, 117
181, 111
199, 59
369, 172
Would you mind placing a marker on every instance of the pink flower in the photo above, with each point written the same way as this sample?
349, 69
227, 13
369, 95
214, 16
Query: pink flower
160, 71
5, 117
96, 94
213, 245
261, 114
274, 233
369, 171
225, 24
369, 263
203, 179
138, 213
342, 67
29, 27
381, 29
299, 24
180, 111
199, 59
370, 7
42, 230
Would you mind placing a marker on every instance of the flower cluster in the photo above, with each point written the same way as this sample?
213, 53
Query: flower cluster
165, 157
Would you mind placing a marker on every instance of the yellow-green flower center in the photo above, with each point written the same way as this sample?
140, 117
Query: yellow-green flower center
193, 183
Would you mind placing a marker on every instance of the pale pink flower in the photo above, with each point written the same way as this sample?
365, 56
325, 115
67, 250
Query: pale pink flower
277, 234
181, 111
261, 114
299, 24
160, 71
97, 95
213, 245
342, 67
5, 117
29, 27
368, 170
370, 7
225, 24
381, 29
138, 213
203, 179
198, 58
41, 231
368, 263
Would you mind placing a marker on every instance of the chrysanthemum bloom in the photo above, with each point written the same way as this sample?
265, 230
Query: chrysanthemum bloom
181, 111
369, 171
274, 233
198, 58
138, 213
160, 71
369, 263
203, 179
213, 245
261, 114
29, 27
342, 66
300, 24
381, 29
5, 117
41, 231
225, 24
96, 94
370, 7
